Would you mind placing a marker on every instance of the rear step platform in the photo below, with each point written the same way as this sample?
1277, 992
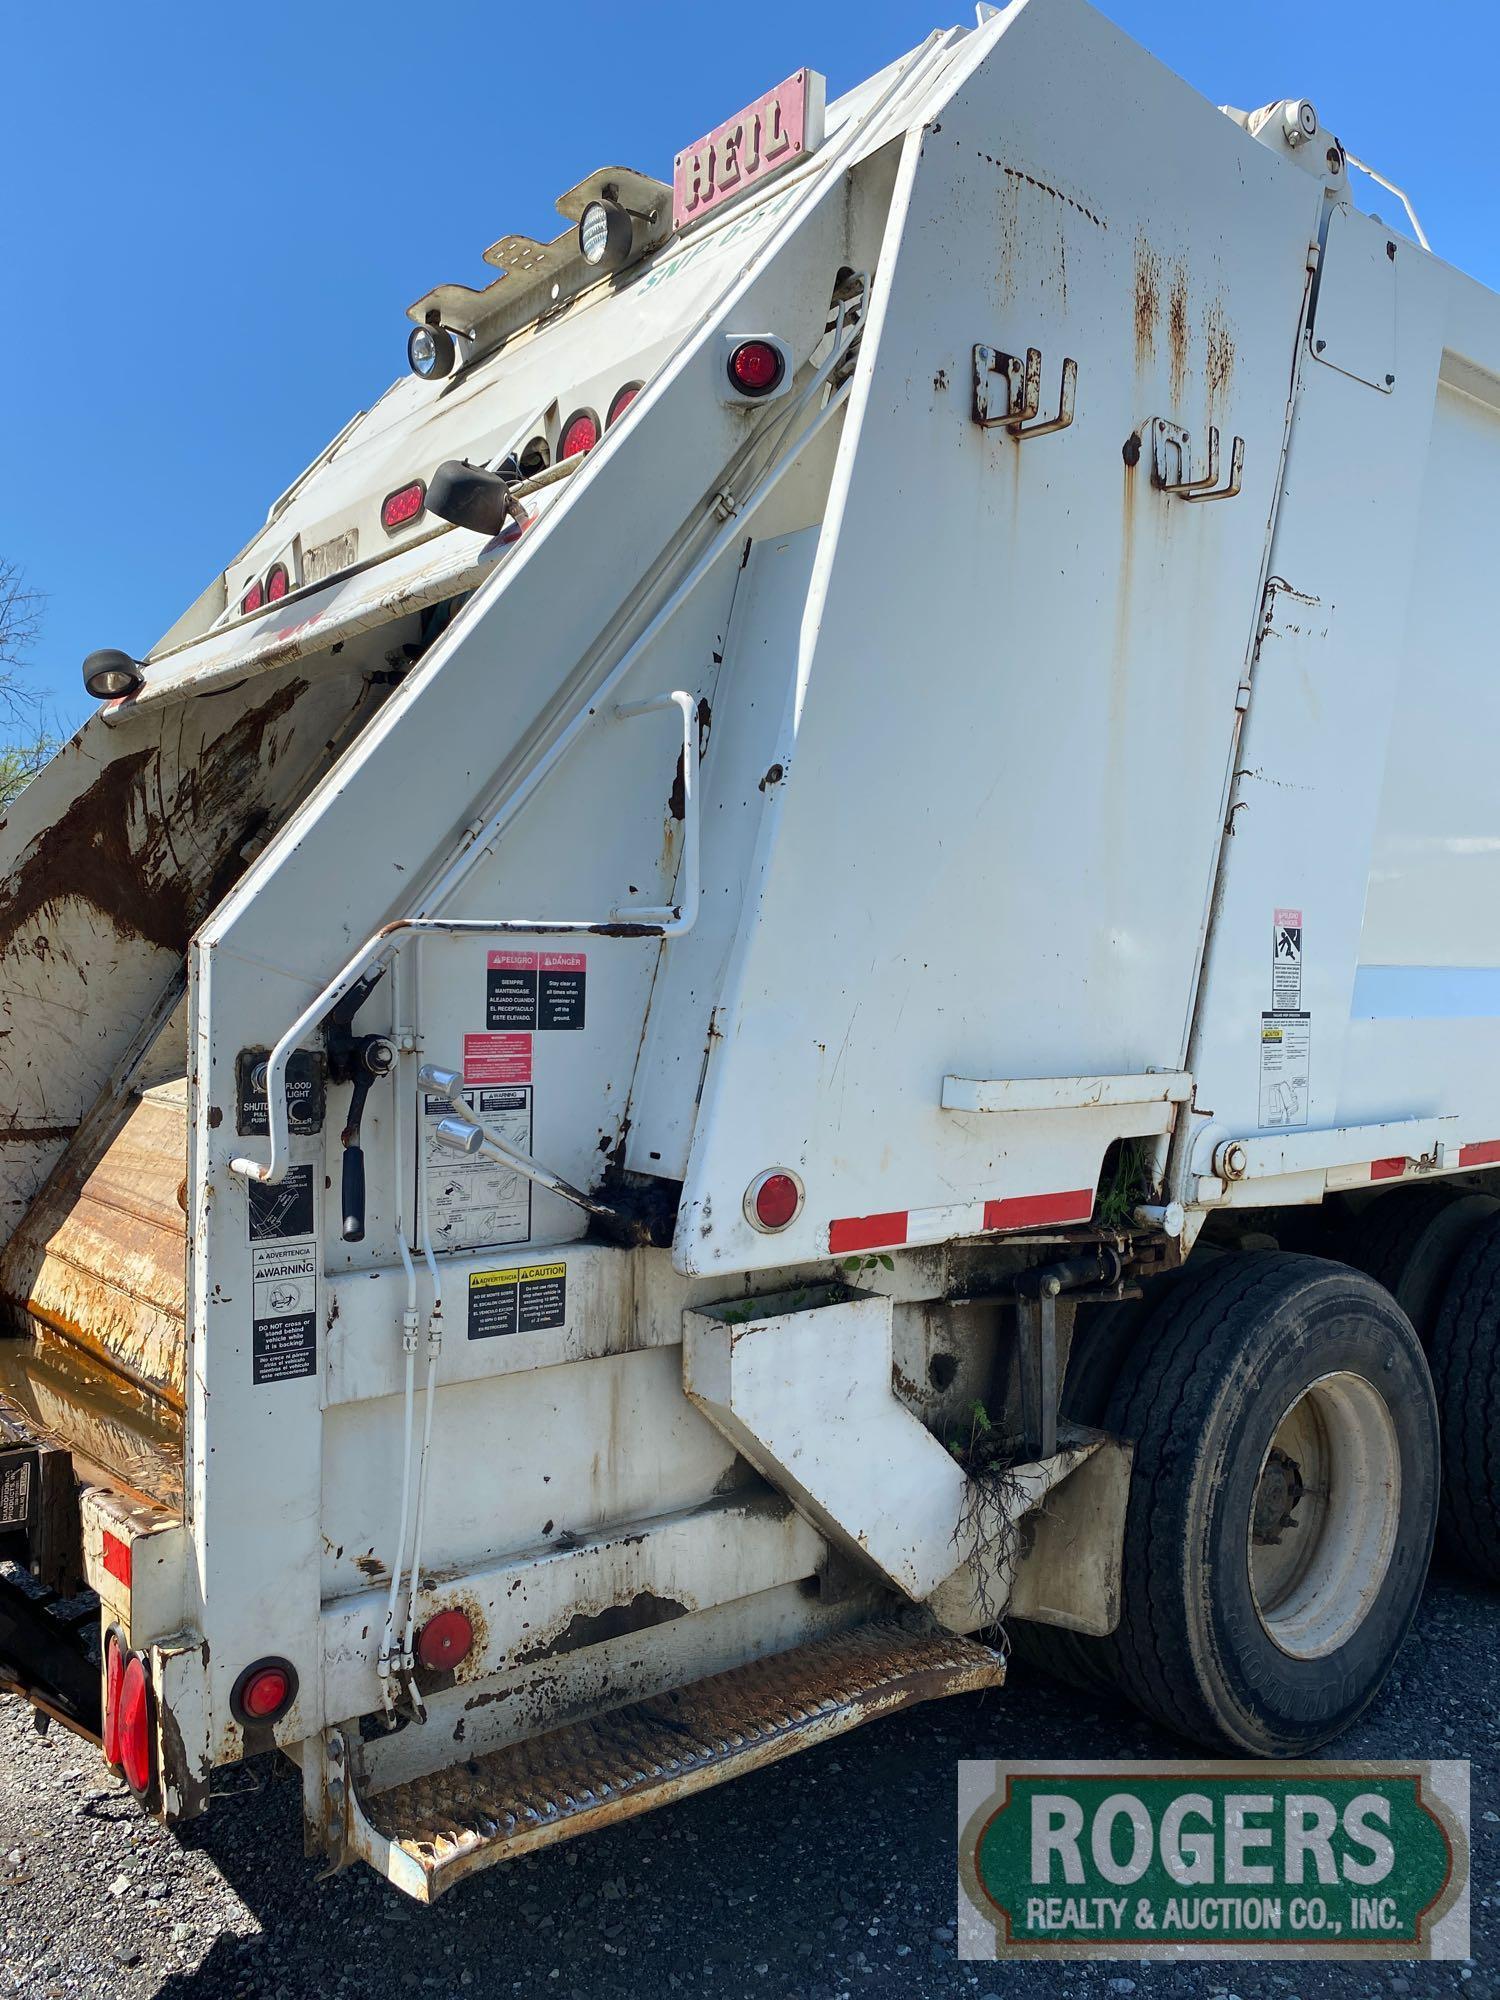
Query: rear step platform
433, 1831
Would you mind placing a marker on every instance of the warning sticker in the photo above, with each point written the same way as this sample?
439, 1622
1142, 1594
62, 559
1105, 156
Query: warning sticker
528, 1299
15, 1494
492, 1058
285, 1348
531, 989
285, 1209
284, 1281
1285, 1067
560, 989
1286, 961
473, 1200
510, 989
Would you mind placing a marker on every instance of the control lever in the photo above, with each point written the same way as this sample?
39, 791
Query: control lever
358, 1060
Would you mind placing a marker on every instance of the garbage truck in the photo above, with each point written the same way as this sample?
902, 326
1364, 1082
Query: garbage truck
796, 982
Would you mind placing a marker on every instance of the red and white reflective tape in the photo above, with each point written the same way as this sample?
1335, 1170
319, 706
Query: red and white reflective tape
1482, 1153
900, 1227
115, 1557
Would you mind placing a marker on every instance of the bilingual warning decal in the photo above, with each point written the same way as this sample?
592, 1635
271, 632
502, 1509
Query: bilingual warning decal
1285, 1068
284, 1280
534, 989
1214, 1860
526, 1299
497, 1058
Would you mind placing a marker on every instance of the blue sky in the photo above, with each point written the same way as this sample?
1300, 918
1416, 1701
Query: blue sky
216, 216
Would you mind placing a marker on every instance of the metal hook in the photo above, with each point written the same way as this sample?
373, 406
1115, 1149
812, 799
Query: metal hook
1017, 408
1170, 443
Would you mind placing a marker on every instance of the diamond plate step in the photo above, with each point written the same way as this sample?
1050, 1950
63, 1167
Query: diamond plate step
430, 1833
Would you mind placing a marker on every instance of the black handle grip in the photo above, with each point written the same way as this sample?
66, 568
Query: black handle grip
354, 1194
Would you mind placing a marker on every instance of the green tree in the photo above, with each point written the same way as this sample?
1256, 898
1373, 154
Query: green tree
25, 744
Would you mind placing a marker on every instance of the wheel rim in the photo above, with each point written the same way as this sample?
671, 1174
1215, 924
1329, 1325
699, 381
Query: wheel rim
1325, 1513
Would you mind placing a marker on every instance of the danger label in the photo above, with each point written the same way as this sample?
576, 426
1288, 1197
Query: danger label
534, 990
526, 1299
497, 1058
1285, 1068
1286, 961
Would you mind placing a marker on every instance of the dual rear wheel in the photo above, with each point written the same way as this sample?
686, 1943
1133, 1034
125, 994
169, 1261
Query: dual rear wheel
1283, 1502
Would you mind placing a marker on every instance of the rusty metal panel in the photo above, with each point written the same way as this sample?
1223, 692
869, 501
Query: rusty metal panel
92, 1287
109, 860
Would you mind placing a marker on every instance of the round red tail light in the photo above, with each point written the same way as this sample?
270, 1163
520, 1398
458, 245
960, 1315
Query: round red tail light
264, 1692
773, 1200
445, 1641
253, 598
580, 433
114, 1674
756, 367
133, 1739
399, 509
278, 583
621, 401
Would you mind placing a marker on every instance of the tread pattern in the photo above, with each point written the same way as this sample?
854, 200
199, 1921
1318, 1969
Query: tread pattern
1465, 1358
1165, 1402
1388, 1235
1154, 1404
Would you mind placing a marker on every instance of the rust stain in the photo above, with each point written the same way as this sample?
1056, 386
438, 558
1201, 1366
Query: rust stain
614, 1622
112, 847
1147, 299
472, 1666
1179, 328
1221, 355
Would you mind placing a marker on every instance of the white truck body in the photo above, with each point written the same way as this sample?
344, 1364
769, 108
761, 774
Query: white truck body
893, 784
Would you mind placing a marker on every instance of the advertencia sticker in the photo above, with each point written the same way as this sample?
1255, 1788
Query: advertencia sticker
1213, 1860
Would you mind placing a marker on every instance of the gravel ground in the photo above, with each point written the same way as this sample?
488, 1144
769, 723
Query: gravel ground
828, 1874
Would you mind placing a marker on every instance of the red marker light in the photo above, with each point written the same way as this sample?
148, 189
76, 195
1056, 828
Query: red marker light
622, 400
278, 583
253, 599
399, 509
114, 1674
264, 1692
773, 1200
445, 1640
756, 367
134, 1728
579, 434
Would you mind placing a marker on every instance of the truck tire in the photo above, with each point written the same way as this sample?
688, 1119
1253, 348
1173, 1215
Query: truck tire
1410, 1240
1276, 1396
1465, 1355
